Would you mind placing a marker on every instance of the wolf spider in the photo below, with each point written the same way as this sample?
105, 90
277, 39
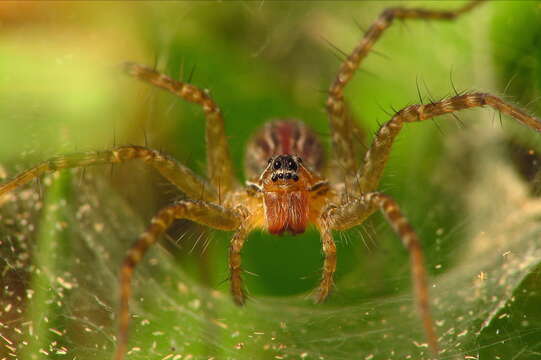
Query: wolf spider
286, 191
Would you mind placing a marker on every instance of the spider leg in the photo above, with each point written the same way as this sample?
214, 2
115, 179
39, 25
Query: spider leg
178, 174
220, 169
208, 214
235, 248
375, 159
340, 126
355, 142
329, 262
356, 211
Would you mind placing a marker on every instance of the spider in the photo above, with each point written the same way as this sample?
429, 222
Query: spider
286, 191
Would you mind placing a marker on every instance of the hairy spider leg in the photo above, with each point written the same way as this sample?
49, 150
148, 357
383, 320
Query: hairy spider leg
329, 261
235, 261
211, 215
355, 213
375, 159
220, 169
336, 108
178, 174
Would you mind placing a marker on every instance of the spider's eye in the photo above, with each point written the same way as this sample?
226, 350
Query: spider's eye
277, 164
274, 177
288, 176
280, 175
295, 177
291, 165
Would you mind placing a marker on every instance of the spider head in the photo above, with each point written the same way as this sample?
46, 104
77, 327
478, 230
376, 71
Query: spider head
285, 173
284, 167
285, 183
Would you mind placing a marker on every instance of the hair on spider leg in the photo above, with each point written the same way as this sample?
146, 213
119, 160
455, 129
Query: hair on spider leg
155, 62
202, 234
226, 280
324, 91
418, 89
343, 55
341, 238
206, 243
192, 73
250, 273
430, 97
386, 111
458, 121
172, 240
186, 233
347, 238
181, 69
531, 102
438, 127
381, 54
144, 130
360, 235
360, 136
379, 124
359, 26
180, 236
393, 109
452, 82
509, 82
170, 108
363, 30
312, 275
369, 231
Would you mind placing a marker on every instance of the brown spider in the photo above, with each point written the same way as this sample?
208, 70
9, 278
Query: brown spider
286, 192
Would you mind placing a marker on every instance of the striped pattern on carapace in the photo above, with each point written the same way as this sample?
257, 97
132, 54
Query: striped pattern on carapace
288, 137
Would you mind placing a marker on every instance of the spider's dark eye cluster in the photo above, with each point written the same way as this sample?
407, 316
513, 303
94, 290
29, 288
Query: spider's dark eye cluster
291, 164
288, 167
287, 176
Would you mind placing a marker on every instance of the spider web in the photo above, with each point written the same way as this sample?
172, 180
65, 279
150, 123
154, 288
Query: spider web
61, 254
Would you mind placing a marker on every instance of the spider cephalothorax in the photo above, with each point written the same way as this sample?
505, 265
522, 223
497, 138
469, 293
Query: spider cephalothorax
285, 192
286, 183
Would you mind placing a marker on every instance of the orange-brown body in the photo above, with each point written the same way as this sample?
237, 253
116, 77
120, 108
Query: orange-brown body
286, 155
286, 211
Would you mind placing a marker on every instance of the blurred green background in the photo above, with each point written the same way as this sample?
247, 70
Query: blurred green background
62, 91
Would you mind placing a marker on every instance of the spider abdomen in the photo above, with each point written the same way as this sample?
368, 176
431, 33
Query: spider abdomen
289, 137
286, 211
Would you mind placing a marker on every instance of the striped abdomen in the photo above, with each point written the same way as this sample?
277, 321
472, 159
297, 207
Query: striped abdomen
283, 137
